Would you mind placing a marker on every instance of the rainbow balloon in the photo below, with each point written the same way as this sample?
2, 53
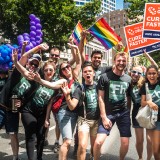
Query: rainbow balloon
104, 33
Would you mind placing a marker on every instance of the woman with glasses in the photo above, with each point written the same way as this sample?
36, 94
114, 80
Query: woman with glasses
136, 84
154, 90
67, 114
34, 110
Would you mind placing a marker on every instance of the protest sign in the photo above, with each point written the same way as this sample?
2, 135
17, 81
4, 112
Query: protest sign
151, 22
136, 44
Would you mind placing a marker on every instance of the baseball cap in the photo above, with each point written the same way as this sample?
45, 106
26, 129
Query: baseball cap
35, 57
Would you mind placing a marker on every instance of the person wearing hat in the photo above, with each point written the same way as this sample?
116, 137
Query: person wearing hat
34, 110
21, 87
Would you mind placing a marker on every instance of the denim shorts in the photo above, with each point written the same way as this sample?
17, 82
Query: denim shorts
10, 120
67, 121
123, 121
2, 118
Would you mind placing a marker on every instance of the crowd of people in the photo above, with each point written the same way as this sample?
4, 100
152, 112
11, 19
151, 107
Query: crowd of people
37, 88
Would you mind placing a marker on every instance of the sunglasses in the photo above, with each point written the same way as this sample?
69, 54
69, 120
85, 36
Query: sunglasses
136, 72
48, 69
54, 55
66, 67
33, 64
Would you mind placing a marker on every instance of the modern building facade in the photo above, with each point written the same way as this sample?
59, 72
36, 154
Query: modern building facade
107, 5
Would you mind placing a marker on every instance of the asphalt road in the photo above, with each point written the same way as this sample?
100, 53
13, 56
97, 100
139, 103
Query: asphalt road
110, 149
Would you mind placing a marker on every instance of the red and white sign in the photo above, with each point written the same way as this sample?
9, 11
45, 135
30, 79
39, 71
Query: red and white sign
151, 22
136, 44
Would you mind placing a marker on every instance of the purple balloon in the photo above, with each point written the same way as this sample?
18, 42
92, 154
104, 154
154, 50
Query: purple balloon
38, 26
32, 34
33, 28
38, 42
10, 46
28, 48
20, 37
19, 56
38, 38
38, 32
32, 39
34, 43
32, 23
37, 20
26, 38
32, 16
25, 34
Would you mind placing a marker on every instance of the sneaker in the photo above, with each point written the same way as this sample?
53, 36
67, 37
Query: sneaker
56, 147
46, 142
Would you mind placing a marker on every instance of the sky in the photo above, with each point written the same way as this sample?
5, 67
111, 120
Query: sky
119, 4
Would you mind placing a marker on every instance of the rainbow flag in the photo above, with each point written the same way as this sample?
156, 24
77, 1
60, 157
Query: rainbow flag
104, 33
76, 34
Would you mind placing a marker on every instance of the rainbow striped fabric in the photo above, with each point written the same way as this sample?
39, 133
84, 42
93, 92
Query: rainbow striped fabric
76, 34
104, 33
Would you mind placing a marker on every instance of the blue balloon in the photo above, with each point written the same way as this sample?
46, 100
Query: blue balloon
7, 59
10, 65
1, 60
15, 46
4, 53
1, 48
9, 50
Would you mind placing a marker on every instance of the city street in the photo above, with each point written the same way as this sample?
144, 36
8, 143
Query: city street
110, 149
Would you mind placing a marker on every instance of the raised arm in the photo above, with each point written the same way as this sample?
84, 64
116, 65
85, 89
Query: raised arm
24, 58
77, 69
81, 45
150, 58
72, 60
71, 102
19, 67
52, 85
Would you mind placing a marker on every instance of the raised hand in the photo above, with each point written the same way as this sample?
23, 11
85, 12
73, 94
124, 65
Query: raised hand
44, 46
65, 89
37, 77
15, 55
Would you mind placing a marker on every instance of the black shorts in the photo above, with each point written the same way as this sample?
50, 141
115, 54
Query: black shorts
123, 122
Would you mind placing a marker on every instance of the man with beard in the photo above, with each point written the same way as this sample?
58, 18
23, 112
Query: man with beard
96, 58
114, 104
18, 86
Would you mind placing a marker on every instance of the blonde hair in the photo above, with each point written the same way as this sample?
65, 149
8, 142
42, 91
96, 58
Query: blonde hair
121, 54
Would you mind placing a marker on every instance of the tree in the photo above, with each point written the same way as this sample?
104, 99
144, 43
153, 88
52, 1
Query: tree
135, 10
58, 18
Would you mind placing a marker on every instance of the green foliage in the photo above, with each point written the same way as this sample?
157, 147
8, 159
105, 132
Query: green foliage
58, 18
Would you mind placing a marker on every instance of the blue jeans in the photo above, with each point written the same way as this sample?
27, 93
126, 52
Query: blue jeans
2, 118
67, 121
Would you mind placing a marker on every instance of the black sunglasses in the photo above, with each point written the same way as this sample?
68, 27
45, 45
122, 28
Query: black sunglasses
66, 67
136, 72
54, 55
33, 64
